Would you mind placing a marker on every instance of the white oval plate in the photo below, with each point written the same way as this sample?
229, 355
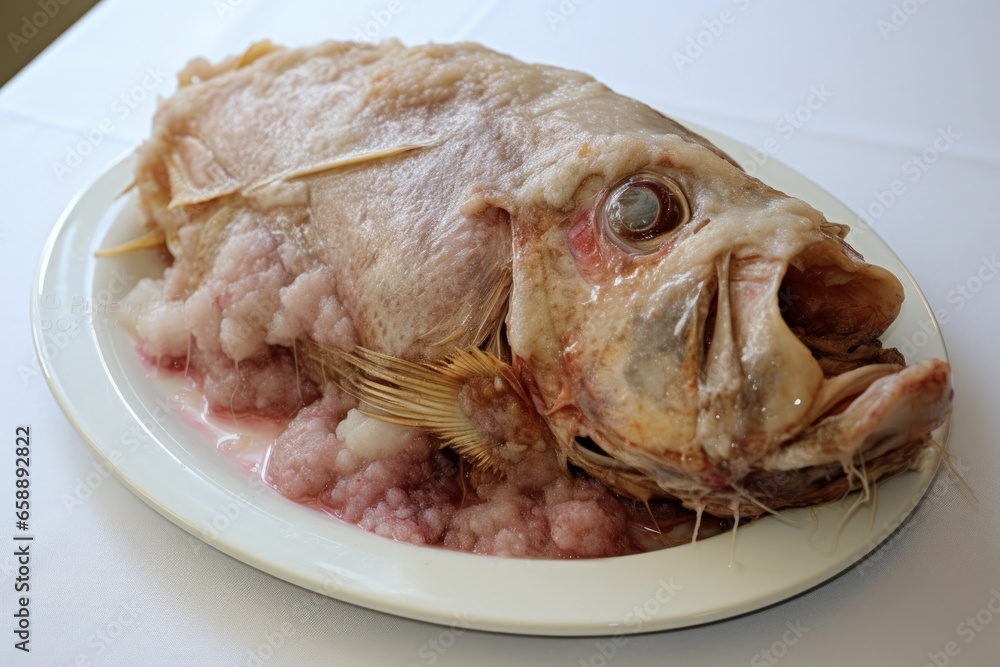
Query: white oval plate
169, 462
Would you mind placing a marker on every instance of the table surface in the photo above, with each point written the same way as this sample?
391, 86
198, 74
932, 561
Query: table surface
862, 97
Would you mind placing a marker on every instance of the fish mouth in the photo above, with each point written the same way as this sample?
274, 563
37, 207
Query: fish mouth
838, 306
872, 416
807, 331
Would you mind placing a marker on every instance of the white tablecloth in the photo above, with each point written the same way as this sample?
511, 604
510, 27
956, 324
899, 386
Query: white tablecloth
857, 95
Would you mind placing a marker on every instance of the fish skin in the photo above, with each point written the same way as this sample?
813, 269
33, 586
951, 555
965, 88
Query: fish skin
609, 345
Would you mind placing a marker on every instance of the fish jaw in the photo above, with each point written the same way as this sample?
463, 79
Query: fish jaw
883, 431
686, 372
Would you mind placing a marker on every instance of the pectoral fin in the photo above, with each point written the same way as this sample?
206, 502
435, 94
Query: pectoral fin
471, 401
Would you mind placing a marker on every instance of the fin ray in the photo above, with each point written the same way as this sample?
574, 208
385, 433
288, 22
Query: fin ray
151, 239
424, 395
343, 162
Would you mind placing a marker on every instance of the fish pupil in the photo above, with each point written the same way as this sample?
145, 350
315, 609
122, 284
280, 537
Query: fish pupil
637, 209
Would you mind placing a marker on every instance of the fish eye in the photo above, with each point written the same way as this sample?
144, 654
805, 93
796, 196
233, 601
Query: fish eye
640, 209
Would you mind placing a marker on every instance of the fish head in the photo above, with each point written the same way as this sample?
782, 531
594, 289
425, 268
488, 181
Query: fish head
688, 331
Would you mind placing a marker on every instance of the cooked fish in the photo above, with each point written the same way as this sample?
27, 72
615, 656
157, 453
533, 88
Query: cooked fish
514, 259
